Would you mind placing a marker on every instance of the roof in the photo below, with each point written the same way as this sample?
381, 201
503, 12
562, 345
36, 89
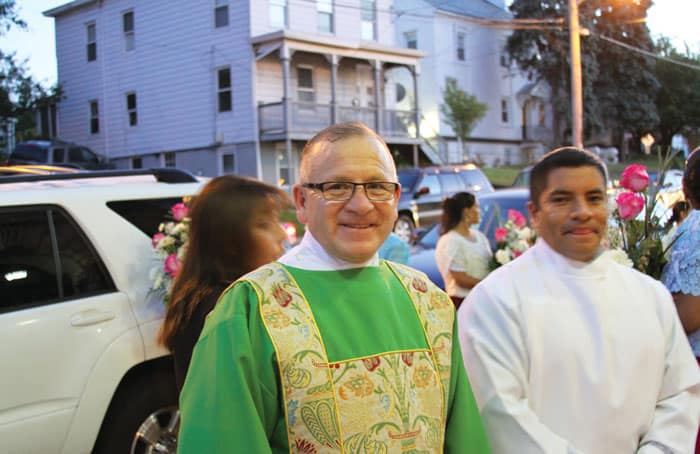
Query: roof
472, 8
68, 7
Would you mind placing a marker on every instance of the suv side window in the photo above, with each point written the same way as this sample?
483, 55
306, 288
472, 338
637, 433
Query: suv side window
59, 155
145, 214
475, 179
29, 152
37, 245
81, 155
432, 183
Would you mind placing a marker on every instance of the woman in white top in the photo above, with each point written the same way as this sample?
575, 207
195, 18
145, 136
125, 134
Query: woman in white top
462, 253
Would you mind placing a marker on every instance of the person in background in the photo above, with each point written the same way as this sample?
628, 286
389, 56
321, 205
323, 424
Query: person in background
330, 349
682, 272
462, 253
569, 351
234, 228
395, 249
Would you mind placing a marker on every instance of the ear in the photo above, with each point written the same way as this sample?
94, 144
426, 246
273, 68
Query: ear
534, 214
300, 201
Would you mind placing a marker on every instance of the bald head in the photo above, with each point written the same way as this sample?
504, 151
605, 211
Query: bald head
322, 142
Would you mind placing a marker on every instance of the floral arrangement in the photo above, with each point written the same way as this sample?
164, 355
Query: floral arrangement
512, 239
634, 228
170, 245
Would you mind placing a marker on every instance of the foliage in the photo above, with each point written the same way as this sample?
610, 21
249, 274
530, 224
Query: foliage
462, 111
608, 103
678, 100
9, 17
635, 226
170, 246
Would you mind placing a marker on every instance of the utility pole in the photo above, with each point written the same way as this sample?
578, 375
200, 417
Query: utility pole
576, 90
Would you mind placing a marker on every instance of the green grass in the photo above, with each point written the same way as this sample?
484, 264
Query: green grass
501, 176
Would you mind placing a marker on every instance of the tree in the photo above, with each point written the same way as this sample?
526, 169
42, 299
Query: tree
462, 111
678, 100
618, 85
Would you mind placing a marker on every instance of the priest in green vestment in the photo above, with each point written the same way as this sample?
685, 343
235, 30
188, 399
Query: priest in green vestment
331, 349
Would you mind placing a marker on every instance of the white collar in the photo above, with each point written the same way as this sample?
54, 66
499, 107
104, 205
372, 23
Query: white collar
596, 266
310, 255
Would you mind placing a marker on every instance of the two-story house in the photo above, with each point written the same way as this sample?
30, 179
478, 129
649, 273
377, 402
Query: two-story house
465, 40
229, 86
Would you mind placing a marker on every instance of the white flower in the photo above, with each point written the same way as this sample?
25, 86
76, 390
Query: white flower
166, 242
503, 256
520, 245
525, 233
619, 256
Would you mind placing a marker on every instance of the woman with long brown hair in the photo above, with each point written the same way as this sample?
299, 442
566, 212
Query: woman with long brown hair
234, 229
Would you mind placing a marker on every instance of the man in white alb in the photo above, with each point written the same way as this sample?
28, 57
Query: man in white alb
568, 351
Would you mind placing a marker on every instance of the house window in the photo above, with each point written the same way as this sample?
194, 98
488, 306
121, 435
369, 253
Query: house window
136, 163
224, 95
278, 13
324, 8
169, 159
504, 56
94, 117
128, 27
91, 42
131, 109
305, 85
284, 170
460, 46
505, 118
410, 40
228, 163
220, 13
369, 18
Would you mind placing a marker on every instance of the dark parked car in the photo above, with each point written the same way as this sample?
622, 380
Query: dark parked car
57, 153
494, 211
424, 189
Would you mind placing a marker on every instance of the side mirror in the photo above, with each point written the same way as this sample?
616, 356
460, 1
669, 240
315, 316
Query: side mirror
422, 191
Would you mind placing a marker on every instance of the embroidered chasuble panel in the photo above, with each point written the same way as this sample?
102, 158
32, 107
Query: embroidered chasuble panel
393, 402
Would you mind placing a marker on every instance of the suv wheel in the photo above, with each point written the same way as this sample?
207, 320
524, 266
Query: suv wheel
404, 227
143, 418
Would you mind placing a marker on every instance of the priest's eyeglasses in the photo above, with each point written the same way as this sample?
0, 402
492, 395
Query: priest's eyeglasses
340, 191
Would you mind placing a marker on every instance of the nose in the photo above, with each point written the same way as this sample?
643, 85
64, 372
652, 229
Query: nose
581, 209
359, 201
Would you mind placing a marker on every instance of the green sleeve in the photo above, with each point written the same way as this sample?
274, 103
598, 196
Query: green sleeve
465, 431
229, 400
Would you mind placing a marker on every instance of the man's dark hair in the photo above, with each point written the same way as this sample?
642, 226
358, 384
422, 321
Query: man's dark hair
555, 159
691, 178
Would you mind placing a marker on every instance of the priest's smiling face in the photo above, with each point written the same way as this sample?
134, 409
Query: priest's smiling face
354, 229
571, 213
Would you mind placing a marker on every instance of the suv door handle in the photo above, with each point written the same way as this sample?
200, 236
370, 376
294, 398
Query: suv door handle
91, 317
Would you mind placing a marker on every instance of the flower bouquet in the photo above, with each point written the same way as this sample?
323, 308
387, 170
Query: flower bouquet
635, 226
170, 245
512, 239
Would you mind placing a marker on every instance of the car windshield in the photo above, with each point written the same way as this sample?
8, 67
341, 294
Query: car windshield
407, 180
29, 152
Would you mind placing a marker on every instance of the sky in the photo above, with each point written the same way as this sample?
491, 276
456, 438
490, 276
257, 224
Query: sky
676, 19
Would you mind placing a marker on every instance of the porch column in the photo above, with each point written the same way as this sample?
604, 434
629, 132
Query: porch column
285, 56
415, 72
378, 124
334, 89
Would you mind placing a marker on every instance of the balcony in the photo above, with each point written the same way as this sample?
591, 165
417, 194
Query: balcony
306, 119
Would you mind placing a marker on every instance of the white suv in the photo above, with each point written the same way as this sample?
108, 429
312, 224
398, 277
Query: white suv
81, 370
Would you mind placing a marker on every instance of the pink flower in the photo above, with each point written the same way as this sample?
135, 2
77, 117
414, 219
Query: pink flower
179, 211
629, 204
517, 218
156, 238
172, 265
500, 234
635, 178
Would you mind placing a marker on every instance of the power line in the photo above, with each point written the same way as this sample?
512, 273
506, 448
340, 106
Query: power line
647, 53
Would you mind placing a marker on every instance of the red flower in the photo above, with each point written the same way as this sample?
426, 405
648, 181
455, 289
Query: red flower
635, 178
517, 218
282, 296
305, 447
172, 265
407, 358
500, 234
179, 211
371, 363
629, 204
420, 285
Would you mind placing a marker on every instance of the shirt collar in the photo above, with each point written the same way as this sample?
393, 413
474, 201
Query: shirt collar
310, 255
596, 266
